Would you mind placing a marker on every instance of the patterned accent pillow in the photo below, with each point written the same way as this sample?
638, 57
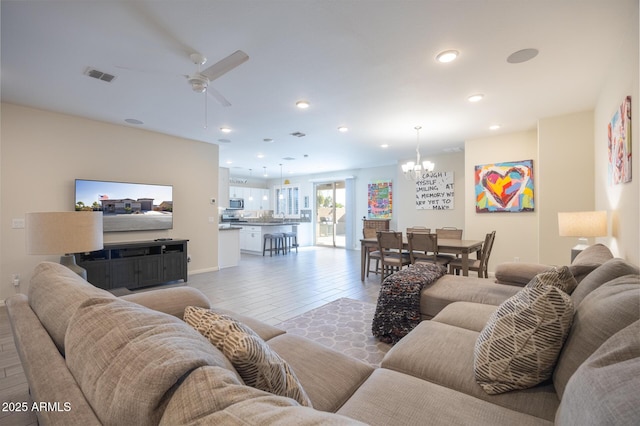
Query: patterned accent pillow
519, 346
258, 365
560, 277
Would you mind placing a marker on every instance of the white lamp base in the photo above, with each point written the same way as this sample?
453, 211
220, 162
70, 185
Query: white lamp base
69, 261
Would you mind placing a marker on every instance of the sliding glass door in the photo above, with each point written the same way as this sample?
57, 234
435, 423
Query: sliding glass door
331, 215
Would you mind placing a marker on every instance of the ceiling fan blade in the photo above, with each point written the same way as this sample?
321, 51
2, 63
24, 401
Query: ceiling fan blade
218, 97
225, 65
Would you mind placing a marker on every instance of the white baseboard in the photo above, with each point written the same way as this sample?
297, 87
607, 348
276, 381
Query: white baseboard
202, 271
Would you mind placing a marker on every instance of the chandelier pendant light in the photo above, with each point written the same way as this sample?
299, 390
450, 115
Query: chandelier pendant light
413, 170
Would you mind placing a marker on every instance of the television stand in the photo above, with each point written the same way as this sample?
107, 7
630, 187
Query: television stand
136, 264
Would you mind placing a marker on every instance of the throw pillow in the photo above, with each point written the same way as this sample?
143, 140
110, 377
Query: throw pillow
560, 277
520, 343
258, 365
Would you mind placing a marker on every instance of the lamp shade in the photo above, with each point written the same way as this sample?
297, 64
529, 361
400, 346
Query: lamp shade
63, 232
582, 224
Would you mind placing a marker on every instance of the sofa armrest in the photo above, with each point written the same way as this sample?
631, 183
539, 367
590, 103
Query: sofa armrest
47, 374
171, 301
517, 273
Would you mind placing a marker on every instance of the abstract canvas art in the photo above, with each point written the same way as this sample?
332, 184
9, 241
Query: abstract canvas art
380, 200
619, 144
504, 187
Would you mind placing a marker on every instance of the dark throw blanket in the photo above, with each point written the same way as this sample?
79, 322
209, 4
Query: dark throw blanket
398, 309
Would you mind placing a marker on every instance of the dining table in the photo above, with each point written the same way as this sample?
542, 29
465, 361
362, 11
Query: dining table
445, 246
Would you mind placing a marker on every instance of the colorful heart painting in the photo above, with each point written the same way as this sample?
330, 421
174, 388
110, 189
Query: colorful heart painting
504, 187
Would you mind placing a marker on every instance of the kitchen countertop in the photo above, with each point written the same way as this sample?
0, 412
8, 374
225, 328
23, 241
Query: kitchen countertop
229, 228
240, 224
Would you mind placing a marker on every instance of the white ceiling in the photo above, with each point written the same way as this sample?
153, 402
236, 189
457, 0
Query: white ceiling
365, 64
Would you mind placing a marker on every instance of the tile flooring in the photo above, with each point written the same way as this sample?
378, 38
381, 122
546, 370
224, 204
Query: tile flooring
272, 289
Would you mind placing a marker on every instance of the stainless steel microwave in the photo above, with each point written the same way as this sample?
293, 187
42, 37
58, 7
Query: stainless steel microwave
236, 203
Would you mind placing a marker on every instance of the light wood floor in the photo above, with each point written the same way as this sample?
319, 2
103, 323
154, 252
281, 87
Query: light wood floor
272, 289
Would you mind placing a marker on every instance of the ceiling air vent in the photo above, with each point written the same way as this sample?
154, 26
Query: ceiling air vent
298, 134
94, 73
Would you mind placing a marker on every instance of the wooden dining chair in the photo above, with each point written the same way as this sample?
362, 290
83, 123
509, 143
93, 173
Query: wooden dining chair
423, 248
421, 229
449, 233
479, 265
392, 257
371, 253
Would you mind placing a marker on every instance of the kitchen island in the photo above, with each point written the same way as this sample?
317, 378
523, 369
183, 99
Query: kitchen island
252, 233
228, 246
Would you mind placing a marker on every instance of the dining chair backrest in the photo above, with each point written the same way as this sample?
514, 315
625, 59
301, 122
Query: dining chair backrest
449, 233
389, 241
486, 252
369, 232
421, 229
422, 246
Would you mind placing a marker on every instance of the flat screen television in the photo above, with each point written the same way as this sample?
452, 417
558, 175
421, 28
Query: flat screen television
127, 206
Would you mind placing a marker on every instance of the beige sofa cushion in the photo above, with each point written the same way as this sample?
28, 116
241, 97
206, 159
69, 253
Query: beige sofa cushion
602, 313
453, 288
467, 315
127, 358
214, 396
172, 300
443, 354
329, 377
605, 389
390, 398
608, 271
55, 292
518, 347
258, 365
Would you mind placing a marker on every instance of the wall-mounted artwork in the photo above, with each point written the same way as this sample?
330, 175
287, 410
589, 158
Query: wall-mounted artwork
504, 187
380, 200
435, 191
619, 144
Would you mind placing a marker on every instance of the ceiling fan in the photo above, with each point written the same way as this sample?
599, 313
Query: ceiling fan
200, 80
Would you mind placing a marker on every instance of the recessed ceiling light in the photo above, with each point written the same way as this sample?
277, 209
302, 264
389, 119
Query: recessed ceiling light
133, 121
386, 145
302, 104
447, 56
267, 140
523, 55
224, 140
343, 129
260, 155
225, 130
494, 127
475, 98
229, 162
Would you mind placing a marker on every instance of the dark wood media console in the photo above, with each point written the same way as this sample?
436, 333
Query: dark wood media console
135, 264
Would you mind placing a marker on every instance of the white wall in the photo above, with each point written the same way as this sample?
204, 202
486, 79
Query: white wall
516, 233
44, 152
565, 179
406, 212
621, 201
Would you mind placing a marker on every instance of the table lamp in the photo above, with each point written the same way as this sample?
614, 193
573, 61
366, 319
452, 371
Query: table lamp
582, 225
64, 232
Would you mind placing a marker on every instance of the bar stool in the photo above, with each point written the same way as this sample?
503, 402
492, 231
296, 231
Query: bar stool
279, 242
290, 241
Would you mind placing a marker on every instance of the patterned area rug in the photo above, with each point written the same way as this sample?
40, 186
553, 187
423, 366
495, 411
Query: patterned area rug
343, 325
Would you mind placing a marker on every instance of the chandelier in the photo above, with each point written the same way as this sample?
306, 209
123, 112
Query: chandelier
413, 170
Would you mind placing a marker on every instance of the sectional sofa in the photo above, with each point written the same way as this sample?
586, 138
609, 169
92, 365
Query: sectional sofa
133, 360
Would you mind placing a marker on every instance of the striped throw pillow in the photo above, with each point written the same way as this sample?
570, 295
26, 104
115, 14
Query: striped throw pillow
519, 346
258, 365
